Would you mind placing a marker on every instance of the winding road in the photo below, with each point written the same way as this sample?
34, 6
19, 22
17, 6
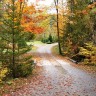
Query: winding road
59, 77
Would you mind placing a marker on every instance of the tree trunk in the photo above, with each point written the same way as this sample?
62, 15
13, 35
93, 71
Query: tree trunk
58, 33
13, 45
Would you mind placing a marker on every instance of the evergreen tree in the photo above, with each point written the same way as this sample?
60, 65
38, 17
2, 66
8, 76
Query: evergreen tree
50, 38
14, 44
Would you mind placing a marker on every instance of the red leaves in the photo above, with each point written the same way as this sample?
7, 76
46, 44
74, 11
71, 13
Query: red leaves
20, 0
33, 29
38, 30
84, 12
27, 19
30, 25
30, 20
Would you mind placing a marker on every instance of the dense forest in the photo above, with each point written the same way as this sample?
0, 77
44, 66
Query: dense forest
17, 27
73, 26
77, 30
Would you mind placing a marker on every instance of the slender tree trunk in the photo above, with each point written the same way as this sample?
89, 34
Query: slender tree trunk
58, 32
13, 55
63, 25
13, 44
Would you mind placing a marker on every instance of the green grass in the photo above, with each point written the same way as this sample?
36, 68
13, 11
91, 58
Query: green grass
55, 49
34, 42
37, 42
34, 48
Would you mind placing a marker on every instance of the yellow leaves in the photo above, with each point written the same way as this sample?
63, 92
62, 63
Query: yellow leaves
29, 10
62, 21
1, 23
84, 51
25, 10
15, 26
89, 51
3, 73
8, 1
15, 19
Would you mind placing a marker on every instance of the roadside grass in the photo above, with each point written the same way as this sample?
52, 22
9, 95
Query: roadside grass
34, 42
34, 48
55, 50
37, 42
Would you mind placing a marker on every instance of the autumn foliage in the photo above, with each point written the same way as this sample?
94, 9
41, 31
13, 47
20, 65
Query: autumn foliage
19, 20
30, 20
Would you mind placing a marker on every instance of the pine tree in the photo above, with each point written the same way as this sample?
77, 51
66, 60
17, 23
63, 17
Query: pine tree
15, 49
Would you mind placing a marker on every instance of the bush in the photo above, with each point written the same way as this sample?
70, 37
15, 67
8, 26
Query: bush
23, 70
22, 43
50, 39
78, 58
44, 40
48, 42
3, 73
89, 51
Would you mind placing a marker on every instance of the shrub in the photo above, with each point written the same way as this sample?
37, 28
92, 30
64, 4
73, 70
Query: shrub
89, 51
23, 70
50, 38
3, 73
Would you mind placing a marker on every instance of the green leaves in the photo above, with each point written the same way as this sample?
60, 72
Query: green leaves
13, 41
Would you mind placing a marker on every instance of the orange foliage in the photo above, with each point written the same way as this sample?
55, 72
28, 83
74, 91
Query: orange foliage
20, 0
84, 12
88, 9
30, 16
38, 30
30, 20
29, 10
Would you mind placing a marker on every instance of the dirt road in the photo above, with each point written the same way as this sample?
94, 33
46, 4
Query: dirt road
59, 78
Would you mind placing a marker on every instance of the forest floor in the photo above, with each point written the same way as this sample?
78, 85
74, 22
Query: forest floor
54, 76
